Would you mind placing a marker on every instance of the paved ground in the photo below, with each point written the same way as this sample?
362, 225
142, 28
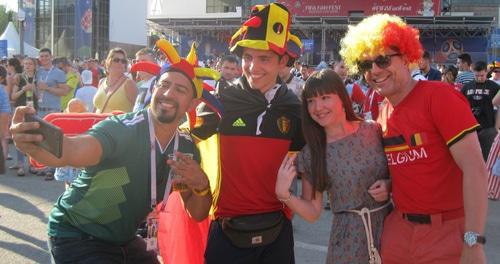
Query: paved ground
26, 201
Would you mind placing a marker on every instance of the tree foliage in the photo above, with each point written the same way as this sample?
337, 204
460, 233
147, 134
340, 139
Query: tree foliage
5, 17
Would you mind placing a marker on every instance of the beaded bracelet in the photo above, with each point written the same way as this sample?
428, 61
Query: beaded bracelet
285, 199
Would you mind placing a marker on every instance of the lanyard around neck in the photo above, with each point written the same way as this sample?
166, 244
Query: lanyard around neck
152, 141
48, 73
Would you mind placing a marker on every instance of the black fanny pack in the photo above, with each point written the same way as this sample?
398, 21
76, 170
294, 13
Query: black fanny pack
253, 230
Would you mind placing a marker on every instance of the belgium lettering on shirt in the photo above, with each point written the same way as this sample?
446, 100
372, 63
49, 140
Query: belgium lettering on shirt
398, 151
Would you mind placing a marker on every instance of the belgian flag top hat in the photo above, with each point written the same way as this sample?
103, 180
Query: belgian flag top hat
266, 29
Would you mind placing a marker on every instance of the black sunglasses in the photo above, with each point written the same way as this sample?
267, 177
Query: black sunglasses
497, 70
117, 60
381, 61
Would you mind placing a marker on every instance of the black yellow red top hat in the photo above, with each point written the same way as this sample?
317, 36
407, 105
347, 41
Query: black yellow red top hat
268, 28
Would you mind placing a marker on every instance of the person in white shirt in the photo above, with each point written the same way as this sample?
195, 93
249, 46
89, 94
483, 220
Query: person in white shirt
87, 92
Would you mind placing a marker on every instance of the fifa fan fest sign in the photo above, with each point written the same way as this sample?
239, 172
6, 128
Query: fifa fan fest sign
366, 7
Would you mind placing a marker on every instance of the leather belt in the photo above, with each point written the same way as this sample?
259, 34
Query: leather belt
427, 218
418, 218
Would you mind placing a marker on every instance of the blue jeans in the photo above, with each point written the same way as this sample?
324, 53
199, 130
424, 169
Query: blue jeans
90, 250
21, 158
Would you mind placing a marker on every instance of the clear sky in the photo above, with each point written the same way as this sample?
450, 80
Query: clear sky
10, 4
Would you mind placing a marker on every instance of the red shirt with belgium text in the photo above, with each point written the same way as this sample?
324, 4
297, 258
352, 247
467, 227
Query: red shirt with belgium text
418, 133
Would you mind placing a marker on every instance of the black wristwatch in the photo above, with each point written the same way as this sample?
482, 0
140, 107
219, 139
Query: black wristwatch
473, 238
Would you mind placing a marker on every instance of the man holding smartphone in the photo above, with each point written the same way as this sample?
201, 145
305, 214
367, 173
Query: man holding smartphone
96, 218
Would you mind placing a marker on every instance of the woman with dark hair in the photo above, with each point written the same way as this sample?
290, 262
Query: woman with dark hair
450, 75
14, 70
344, 156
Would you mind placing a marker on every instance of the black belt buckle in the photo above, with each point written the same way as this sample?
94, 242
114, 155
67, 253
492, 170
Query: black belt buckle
418, 218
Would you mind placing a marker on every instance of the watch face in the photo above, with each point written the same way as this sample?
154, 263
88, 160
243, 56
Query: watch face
470, 238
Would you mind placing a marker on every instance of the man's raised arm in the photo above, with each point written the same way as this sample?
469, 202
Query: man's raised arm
79, 151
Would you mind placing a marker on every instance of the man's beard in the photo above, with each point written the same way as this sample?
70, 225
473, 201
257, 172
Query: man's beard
162, 116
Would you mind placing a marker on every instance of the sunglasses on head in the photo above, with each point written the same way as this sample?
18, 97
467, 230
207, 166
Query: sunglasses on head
117, 60
382, 61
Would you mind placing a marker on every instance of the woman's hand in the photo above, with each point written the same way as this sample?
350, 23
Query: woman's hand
380, 190
285, 177
28, 87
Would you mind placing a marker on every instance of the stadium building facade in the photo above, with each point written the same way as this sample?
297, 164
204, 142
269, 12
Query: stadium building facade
446, 30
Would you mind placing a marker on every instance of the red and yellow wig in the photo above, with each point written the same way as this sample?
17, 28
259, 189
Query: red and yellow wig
376, 34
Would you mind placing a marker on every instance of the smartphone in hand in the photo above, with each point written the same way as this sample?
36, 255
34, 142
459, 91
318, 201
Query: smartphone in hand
52, 135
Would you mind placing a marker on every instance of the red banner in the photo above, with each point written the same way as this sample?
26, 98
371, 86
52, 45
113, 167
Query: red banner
322, 8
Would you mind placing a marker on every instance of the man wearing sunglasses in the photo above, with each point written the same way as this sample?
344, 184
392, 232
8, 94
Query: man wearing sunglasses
438, 174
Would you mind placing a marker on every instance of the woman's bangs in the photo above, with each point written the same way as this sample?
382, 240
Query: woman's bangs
316, 87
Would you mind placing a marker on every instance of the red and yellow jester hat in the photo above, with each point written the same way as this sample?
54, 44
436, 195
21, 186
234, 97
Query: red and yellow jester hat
266, 29
188, 66
374, 35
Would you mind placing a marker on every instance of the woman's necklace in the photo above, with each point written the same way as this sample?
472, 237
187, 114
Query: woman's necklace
110, 86
27, 78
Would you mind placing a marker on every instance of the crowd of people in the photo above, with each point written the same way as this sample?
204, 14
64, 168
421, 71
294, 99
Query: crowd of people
398, 146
